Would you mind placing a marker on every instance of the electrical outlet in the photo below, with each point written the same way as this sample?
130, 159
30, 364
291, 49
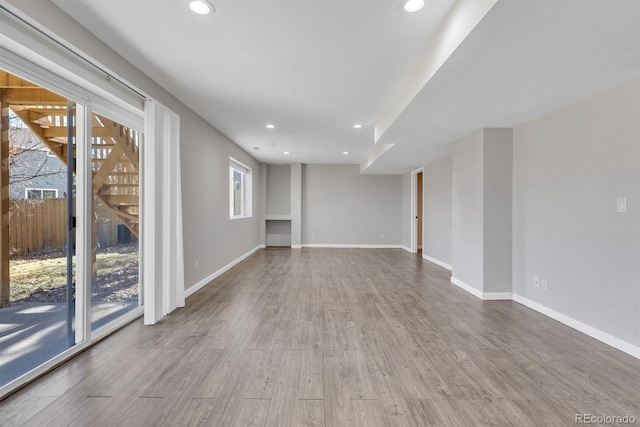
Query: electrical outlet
544, 284
536, 282
621, 205
382, 236
313, 234
439, 248
196, 265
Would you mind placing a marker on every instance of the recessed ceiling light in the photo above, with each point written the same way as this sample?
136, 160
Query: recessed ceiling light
201, 7
270, 126
357, 126
286, 152
345, 152
413, 5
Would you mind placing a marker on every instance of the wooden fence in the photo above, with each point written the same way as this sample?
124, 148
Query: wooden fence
37, 226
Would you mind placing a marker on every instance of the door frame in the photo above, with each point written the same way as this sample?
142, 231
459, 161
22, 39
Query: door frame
413, 221
87, 99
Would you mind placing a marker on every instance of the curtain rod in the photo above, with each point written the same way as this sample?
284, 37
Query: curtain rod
108, 75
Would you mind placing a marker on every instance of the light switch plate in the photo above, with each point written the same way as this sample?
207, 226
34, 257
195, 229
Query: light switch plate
621, 205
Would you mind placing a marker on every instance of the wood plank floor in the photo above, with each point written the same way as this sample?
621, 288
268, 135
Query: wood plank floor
335, 337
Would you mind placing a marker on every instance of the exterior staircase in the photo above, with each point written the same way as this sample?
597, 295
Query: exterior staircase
115, 148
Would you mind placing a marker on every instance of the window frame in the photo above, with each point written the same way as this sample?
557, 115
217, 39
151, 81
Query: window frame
41, 190
246, 192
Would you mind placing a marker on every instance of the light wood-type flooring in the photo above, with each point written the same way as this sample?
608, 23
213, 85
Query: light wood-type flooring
336, 337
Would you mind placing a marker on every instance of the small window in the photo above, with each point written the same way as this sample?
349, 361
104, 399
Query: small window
239, 190
40, 193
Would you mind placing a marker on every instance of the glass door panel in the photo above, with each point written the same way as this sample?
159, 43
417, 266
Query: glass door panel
116, 220
37, 238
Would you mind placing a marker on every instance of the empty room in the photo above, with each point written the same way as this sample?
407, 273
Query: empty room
319, 213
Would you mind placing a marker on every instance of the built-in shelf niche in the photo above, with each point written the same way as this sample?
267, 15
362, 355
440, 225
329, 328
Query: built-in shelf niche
278, 233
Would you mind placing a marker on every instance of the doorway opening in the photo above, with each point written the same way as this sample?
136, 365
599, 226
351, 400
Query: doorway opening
419, 211
416, 219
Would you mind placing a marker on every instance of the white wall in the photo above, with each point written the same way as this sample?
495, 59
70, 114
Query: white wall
209, 235
341, 206
262, 207
481, 212
278, 190
467, 210
437, 210
296, 205
569, 168
406, 210
498, 197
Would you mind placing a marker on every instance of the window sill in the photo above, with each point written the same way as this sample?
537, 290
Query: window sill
241, 217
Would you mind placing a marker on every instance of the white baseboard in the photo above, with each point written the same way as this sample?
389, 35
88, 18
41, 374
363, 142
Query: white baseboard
604, 337
407, 249
497, 296
193, 289
485, 296
473, 291
340, 245
437, 262
296, 246
262, 246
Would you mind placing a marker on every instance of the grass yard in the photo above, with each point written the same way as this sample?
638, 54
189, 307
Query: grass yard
43, 277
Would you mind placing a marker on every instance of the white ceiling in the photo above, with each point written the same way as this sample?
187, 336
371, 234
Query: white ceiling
312, 67
525, 59
316, 67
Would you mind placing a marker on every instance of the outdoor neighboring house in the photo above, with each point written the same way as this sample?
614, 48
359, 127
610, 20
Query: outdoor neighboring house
34, 171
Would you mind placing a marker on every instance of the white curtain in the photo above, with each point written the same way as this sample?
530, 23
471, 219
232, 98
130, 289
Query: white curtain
161, 212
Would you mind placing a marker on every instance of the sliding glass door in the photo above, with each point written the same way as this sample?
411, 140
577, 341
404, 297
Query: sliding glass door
70, 224
37, 235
